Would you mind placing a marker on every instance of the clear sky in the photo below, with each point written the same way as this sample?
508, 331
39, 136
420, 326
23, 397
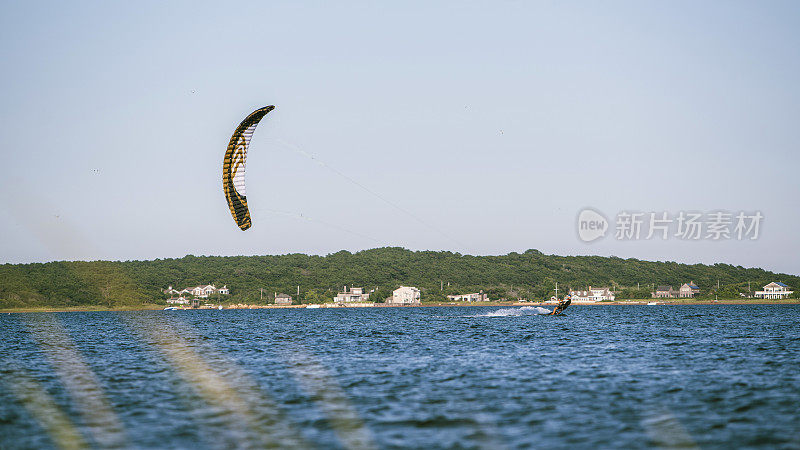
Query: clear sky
477, 127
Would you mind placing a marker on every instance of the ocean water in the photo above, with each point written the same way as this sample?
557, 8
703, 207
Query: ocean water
459, 377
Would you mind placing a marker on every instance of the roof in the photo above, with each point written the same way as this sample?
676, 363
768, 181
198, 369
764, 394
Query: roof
693, 286
781, 284
351, 289
407, 287
283, 296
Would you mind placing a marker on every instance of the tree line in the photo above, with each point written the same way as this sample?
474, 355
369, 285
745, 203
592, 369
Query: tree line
530, 275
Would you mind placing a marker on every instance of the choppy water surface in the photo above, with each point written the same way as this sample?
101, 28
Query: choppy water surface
596, 377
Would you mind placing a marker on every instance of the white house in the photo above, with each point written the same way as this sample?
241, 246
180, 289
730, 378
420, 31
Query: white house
774, 291
601, 294
171, 291
592, 295
474, 297
178, 301
405, 295
283, 299
203, 291
579, 296
352, 295
198, 291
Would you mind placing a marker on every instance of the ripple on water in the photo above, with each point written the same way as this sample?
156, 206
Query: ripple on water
716, 377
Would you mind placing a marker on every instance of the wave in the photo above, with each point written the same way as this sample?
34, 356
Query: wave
524, 311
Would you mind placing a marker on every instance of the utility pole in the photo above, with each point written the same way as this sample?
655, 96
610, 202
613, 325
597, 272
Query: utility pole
441, 285
556, 290
262, 293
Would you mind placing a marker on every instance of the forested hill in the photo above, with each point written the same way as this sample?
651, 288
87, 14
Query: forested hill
530, 275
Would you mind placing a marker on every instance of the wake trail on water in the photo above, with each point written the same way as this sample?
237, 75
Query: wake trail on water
524, 311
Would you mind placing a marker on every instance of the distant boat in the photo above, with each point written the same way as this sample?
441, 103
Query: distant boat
220, 307
171, 308
652, 303
312, 306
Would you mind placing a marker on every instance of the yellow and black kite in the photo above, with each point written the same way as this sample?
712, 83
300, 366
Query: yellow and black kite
233, 167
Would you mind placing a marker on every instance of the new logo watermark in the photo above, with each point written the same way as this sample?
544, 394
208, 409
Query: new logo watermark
592, 225
684, 225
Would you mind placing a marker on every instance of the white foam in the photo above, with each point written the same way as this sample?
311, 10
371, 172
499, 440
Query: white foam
524, 311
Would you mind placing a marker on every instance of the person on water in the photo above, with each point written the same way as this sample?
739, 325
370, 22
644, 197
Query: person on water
562, 305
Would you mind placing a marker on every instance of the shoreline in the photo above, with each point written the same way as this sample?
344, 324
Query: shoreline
639, 302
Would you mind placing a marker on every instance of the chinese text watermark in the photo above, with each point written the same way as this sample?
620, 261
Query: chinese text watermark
683, 225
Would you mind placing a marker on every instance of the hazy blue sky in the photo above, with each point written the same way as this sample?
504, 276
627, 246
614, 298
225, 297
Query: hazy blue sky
478, 127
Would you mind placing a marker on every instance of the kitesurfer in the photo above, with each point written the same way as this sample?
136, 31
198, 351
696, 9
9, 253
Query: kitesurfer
562, 305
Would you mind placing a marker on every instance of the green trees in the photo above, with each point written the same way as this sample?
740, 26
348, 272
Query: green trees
530, 275
382, 293
634, 293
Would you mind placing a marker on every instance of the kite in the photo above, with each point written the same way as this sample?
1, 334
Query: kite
233, 167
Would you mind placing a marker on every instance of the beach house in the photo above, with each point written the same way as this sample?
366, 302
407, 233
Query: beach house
405, 295
351, 295
774, 291
283, 299
665, 292
473, 297
203, 291
171, 291
592, 295
579, 295
688, 290
198, 291
178, 301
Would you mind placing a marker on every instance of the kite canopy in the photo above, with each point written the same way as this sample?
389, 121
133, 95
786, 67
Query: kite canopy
233, 167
